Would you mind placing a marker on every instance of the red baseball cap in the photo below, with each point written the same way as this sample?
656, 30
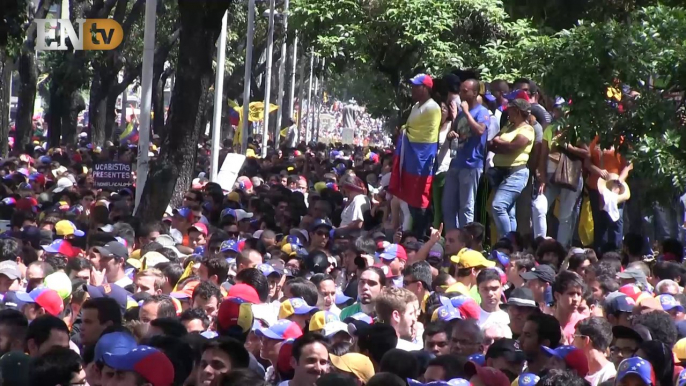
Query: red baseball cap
422, 80
245, 293
202, 228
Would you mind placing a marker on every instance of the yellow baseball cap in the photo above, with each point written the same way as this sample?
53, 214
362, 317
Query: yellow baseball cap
357, 364
235, 197
469, 258
67, 228
321, 319
679, 350
294, 306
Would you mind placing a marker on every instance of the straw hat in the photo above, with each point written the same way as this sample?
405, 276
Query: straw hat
613, 182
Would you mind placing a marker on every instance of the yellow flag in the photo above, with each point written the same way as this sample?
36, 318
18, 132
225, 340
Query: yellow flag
186, 273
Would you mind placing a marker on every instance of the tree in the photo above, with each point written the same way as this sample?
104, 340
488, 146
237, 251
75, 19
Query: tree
172, 173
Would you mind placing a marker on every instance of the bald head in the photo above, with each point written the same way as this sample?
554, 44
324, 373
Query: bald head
469, 90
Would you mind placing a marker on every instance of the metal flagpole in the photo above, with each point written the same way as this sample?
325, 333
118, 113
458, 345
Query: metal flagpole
301, 97
142, 166
247, 76
282, 70
293, 69
309, 98
320, 99
268, 77
218, 98
314, 104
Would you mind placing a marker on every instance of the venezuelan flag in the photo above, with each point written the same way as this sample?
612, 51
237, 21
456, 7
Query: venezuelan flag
415, 154
130, 135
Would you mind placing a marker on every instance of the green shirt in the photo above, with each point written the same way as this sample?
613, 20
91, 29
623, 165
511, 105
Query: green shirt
350, 310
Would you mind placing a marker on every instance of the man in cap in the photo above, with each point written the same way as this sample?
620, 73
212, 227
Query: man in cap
393, 259
272, 339
141, 365
539, 280
320, 234
9, 276
520, 305
113, 258
618, 308
468, 263
409, 180
296, 310
633, 275
506, 356
625, 343
671, 306
41, 301
66, 229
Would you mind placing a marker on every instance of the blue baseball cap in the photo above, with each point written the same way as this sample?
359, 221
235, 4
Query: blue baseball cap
637, 366
681, 381
294, 306
528, 379
620, 303
293, 239
267, 270
115, 343
360, 316
341, 297
479, 359
11, 301
200, 250
500, 257
392, 252
148, 362
668, 303
446, 313
230, 245
422, 80
413, 382
228, 212
281, 330
320, 222
120, 295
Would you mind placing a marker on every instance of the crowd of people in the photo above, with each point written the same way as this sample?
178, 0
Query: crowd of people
344, 265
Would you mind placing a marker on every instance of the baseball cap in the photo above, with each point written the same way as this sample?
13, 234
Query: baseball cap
320, 222
500, 257
469, 258
45, 297
294, 306
268, 270
10, 269
281, 330
235, 317
632, 273
506, 348
200, 227
184, 212
543, 272
422, 80
574, 358
242, 215
10, 301
360, 316
14, 367
623, 332
228, 246
521, 297
446, 313
619, 303
488, 375
321, 318
113, 249
153, 258
120, 295
116, 343
62, 184
333, 328
358, 364
186, 292
392, 252
244, 293
631, 290
479, 359
668, 303
60, 282
67, 228
527, 379
61, 246
467, 306
637, 366
146, 361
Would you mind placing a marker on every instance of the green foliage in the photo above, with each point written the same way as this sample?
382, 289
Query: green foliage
13, 17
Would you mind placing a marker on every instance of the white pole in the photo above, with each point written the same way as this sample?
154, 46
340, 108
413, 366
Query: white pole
282, 70
146, 99
301, 98
246, 77
309, 99
124, 101
268, 77
320, 99
314, 104
218, 98
295, 66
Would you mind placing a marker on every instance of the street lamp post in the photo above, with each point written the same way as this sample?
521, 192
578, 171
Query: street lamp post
268, 77
309, 99
282, 70
247, 75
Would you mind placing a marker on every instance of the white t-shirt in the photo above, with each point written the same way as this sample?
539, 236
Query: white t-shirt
355, 210
443, 158
123, 282
605, 374
406, 345
498, 317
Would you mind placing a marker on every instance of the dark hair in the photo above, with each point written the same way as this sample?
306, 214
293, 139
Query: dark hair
10, 249
306, 340
576, 260
440, 280
451, 364
125, 231
28, 254
40, 328
666, 270
551, 246
206, 290
301, 288
56, 262
386, 379
547, 328
660, 325
401, 363
316, 279
15, 322
169, 326
234, 349
337, 379
566, 280
598, 330
179, 352
377, 340
195, 313
241, 377
196, 342
108, 310
55, 367
674, 247
487, 275
165, 306
366, 245
217, 266
340, 348
77, 264
661, 358
607, 283
604, 268
146, 229
523, 260
421, 271
562, 377
171, 271
256, 279
437, 327
379, 272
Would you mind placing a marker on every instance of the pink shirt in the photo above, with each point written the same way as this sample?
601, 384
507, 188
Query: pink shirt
569, 329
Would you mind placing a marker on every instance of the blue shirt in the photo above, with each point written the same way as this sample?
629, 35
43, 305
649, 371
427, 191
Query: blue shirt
470, 148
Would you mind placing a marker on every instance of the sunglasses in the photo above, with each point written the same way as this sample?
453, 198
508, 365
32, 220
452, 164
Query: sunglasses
321, 233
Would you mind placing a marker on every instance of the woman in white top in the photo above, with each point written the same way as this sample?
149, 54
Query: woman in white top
443, 161
357, 203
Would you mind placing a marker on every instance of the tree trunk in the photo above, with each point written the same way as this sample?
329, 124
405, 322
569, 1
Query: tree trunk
5, 95
110, 116
171, 175
97, 110
157, 97
76, 104
55, 113
28, 74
